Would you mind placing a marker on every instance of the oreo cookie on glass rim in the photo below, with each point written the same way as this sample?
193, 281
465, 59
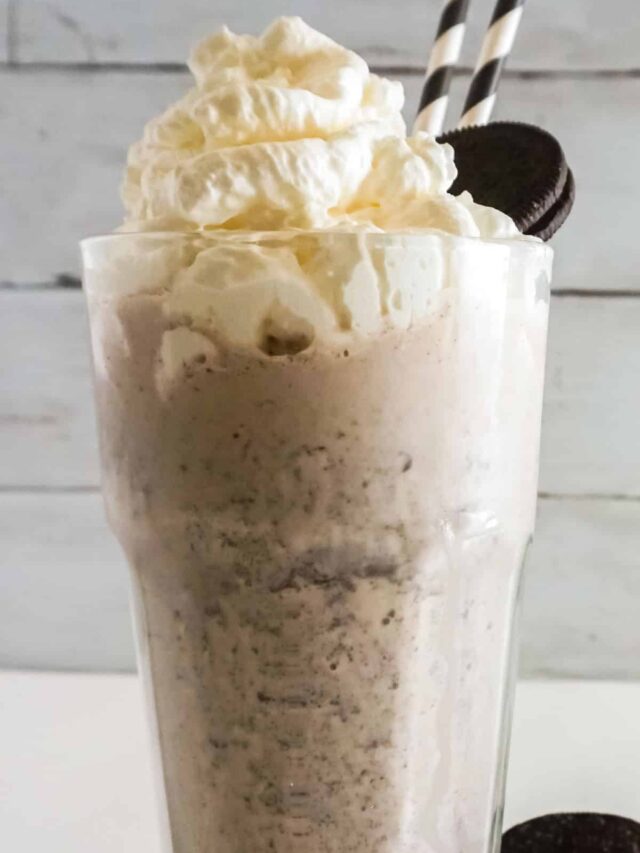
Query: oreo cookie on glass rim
517, 168
574, 833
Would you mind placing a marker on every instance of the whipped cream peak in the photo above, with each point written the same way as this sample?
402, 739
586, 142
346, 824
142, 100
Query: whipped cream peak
289, 53
289, 130
289, 171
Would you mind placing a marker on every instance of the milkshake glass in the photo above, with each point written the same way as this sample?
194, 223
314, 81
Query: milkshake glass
325, 531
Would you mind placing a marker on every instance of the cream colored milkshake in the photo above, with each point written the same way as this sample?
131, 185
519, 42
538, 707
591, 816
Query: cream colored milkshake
319, 449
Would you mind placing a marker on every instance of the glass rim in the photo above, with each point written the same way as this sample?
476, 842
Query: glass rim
514, 243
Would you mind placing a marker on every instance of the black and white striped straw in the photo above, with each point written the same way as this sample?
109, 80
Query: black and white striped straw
496, 47
444, 55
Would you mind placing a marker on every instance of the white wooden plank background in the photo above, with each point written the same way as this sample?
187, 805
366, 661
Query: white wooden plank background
59, 186
47, 427
554, 34
590, 423
582, 590
4, 30
65, 579
64, 601
78, 78
592, 401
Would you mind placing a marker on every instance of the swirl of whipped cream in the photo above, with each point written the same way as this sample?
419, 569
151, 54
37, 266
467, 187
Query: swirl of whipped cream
291, 133
289, 130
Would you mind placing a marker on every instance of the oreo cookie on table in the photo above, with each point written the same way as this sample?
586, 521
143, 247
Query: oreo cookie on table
574, 833
517, 168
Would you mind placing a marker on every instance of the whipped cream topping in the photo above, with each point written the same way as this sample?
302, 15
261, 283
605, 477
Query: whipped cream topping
307, 215
289, 130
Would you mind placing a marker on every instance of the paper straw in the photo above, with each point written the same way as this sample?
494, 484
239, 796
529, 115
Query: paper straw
496, 47
444, 55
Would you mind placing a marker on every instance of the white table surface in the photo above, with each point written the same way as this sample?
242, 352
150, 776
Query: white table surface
75, 778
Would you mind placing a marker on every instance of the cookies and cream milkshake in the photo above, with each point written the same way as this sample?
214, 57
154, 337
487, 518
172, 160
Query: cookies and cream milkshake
319, 382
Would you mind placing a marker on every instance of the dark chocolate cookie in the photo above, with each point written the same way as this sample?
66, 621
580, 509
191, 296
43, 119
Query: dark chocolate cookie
574, 833
517, 168
554, 218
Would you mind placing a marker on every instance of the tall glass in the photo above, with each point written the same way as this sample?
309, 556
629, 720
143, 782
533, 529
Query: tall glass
325, 535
